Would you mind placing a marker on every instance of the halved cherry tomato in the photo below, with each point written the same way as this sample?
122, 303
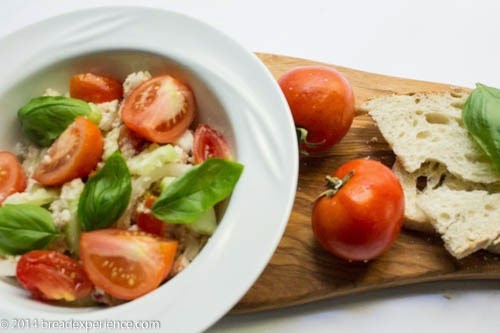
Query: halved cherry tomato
159, 109
12, 177
74, 154
209, 143
362, 219
126, 264
50, 275
147, 222
322, 102
95, 88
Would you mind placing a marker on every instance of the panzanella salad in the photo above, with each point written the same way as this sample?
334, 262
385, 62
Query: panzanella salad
115, 191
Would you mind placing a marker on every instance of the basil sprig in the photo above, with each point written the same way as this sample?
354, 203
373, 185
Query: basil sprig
199, 189
24, 228
106, 195
481, 116
43, 119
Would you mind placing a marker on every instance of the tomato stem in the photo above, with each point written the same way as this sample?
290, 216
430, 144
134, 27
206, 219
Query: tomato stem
302, 139
334, 184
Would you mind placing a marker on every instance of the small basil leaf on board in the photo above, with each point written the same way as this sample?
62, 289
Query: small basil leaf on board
24, 228
43, 119
481, 116
106, 195
199, 189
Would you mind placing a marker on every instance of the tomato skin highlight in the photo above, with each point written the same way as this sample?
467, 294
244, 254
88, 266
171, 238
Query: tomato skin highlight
159, 109
126, 264
209, 143
95, 88
50, 275
363, 219
12, 176
73, 155
321, 101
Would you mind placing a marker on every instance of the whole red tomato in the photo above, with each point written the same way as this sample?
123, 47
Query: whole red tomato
322, 103
359, 217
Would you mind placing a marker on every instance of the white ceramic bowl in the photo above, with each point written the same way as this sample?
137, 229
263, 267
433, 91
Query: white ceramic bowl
234, 92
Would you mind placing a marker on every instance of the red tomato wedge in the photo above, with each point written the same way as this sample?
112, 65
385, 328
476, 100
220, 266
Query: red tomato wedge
147, 222
73, 155
126, 264
208, 143
159, 109
12, 177
50, 275
95, 88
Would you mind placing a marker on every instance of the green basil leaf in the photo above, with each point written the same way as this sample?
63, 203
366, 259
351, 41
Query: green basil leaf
199, 189
106, 195
481, 116
24, 228
43, 119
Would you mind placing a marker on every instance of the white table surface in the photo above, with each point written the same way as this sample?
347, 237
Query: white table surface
456, 42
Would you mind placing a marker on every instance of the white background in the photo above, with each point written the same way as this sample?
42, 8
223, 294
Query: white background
456, 42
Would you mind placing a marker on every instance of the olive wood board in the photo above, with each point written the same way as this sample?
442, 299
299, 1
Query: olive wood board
300, 271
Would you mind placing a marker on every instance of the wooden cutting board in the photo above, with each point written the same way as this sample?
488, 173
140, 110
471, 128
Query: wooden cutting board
300, 271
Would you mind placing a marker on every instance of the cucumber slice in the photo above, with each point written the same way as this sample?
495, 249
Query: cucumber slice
72, 230
38, 195
206, 224
165, 182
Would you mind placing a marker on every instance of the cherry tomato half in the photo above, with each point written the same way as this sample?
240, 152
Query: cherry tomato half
208, 143
159, 109
126, 264
321, 101
363, 218
74, 154
95, 88
50, 275
12, 177
147, 222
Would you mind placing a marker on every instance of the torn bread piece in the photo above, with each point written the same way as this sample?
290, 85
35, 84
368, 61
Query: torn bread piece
427, 176
430, 177
428, 127
466, 220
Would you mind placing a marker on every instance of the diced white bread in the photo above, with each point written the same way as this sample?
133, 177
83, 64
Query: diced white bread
428, 127
133, 80
466, 220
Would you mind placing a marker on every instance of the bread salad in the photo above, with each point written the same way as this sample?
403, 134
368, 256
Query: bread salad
115, 190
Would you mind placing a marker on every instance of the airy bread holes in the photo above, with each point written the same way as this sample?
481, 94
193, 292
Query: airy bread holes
488, 207
445, 216
437, 118
421, 183
423, 134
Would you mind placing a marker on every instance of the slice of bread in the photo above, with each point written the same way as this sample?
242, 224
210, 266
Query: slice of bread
428, 127
451, 187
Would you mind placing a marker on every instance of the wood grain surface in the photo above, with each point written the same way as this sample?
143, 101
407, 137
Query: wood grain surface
300, 271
